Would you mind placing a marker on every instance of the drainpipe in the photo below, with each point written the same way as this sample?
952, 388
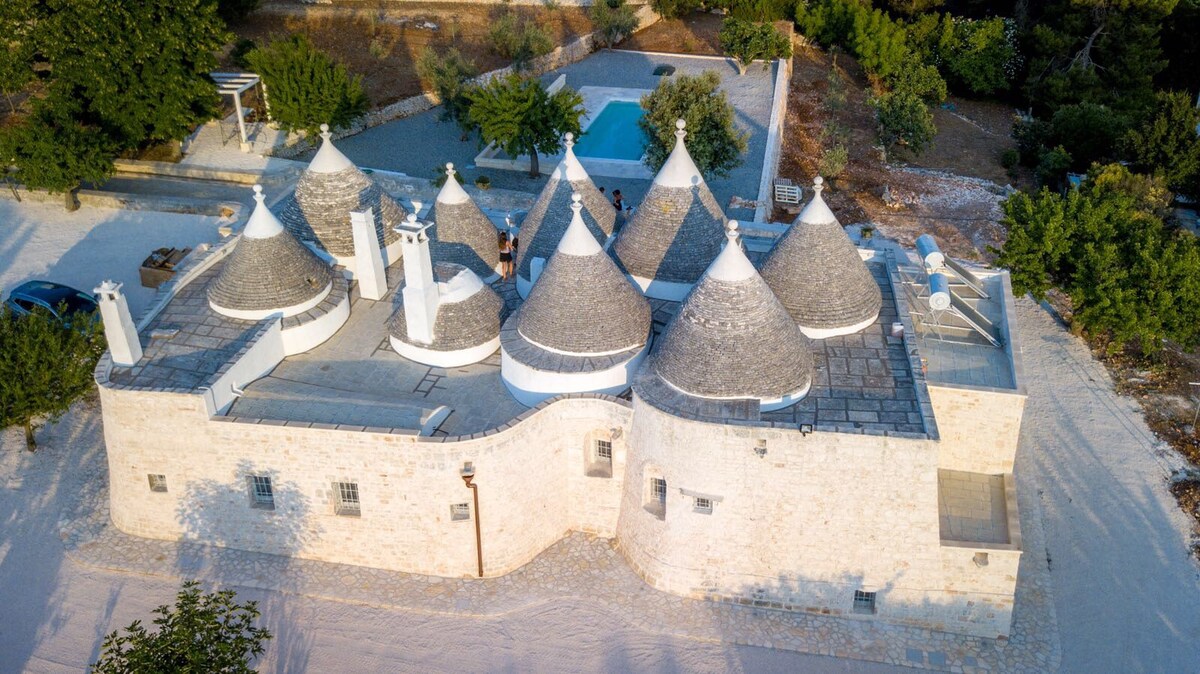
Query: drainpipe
468, 474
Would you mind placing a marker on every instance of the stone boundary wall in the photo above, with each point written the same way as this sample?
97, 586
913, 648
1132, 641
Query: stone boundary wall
774, 153
563, 55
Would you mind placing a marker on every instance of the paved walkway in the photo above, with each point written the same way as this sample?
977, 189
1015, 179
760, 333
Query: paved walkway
1125, 593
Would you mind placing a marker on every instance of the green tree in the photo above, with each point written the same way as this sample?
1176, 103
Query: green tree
879, 43
138, 69
203, 633
55, 151
307, 88
673, 9
922, 81
521, 117
903, 118
982, 57
911, 7
1088, 131
1168, 144
713, 142
748, 42
614, 20
519, 39
449, 76
763, 10
45, 366
16, 48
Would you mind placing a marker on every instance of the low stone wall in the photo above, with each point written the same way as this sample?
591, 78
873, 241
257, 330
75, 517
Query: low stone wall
564, 55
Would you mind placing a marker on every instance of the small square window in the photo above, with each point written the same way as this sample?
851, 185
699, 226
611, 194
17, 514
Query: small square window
599, 464
604, 450
346, 495
864, 602
658, 490
460, 512
157, 482
262, 495
703, 505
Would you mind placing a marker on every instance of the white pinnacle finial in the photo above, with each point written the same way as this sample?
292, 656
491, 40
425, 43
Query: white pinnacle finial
328, 159
679, 129
569, 140
731, 231
569, 168
262, 224
578, 240
325, 134
731, 264
817, 212
818, 184
451, 192
679, 170
411, 218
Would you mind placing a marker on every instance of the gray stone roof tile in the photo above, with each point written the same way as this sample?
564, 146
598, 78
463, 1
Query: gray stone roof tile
551, 213
319, 210
673, 236
459, 325
266, 274
462, 234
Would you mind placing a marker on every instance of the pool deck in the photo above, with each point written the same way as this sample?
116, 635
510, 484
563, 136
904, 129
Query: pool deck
416, 145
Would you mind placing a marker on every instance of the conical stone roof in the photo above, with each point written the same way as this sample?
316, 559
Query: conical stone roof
731, 338
468, 312
678, 229
581, 303
328, 190
463, 234
548, 219
268, 270
817, 273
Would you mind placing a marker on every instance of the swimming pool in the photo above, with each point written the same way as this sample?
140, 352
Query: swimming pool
615, 133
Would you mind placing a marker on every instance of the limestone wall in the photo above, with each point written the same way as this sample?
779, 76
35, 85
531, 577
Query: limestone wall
802, 527
532, 485
979, 428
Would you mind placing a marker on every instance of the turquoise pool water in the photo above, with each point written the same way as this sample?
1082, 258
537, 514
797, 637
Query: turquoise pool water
615, 133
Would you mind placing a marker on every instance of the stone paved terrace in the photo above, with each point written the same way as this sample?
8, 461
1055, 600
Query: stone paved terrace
972, 507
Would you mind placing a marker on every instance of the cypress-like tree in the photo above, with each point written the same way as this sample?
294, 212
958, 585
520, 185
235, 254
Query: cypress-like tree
522, 118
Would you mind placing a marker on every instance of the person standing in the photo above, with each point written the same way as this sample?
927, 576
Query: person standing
506, 256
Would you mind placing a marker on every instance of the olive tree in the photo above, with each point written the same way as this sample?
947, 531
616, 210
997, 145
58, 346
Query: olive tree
522, 118
713, 142
748, 41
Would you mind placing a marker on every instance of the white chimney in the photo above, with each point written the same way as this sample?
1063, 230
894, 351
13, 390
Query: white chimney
420, 290
119, 330
368, 259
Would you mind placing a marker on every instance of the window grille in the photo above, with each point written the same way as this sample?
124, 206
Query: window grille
604, 451
460, 512
157, 482
658, 490
864, 602
704, 505
347, 499
262, 495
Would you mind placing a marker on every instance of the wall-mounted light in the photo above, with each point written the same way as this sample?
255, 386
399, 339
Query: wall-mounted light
615, 433
761, 448
805, 429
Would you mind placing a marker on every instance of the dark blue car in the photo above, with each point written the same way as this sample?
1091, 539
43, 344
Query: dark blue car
49, 296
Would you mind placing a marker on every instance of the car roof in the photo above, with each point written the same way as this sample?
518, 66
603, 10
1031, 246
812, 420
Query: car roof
51, 293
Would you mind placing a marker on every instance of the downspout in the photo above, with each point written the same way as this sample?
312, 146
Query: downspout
468, 475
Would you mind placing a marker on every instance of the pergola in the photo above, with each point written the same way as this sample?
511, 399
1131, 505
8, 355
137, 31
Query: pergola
235, 84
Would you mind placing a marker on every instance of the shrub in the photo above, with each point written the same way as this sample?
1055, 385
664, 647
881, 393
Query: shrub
1167, 144
763, 10
875, 39
673, 9
1052, 167
914, 6
306, 87
449, 76
202, 633
1010, 158
241, 49
713, 141
45, 366
922, 81
833, 161
519, 39
747, 42
1088, 131
902, 118
614, 21
521, 117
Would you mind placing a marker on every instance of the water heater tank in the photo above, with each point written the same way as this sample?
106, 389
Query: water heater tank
939, 292
930, 254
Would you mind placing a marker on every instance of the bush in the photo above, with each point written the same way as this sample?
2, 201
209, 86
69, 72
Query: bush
903, 118
306, 87
713, 141
875, 39
922, 81
763, 10
519, 39
1168, 145
833, 161
673, 9
449, 76
1010, 158
1088, 131
747, 42
614, 21
1130, 278
1052, 167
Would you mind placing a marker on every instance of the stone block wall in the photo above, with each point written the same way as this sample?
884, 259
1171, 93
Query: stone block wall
532, 487
979, 428
802, 527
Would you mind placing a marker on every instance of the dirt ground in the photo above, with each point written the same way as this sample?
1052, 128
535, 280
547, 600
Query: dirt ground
381, 40
695, 34
952, 190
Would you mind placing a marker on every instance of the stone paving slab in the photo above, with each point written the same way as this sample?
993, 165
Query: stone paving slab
582, 567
